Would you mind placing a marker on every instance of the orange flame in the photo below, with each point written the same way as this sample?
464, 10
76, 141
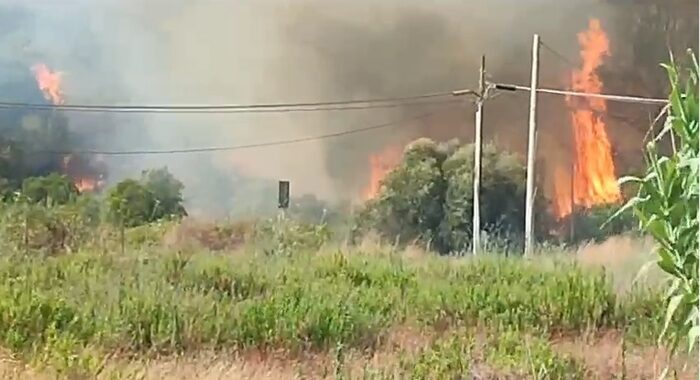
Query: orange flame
594, 179
84, 176
380, 164
86, 185
49, 83
562, 192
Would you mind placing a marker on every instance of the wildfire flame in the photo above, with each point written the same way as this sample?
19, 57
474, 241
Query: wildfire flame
594, 180
86, 185
49, 83
380, 164
85, 177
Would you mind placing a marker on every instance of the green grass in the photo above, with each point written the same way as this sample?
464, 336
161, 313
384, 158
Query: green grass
69, 311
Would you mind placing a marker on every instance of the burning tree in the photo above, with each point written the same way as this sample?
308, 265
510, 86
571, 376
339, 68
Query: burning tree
594, 180
29, 137
645, 32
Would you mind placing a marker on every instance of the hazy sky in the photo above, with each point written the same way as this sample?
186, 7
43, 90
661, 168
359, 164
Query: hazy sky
248, 51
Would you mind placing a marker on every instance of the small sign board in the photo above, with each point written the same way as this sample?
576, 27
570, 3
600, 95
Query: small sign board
283, 195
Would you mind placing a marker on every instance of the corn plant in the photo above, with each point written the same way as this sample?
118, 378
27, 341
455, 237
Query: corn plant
667, 205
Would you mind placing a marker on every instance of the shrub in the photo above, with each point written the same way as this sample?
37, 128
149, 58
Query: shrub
410, 205
502, 196
26, 226
51, 189
287, 236
167, 193
130, 204
590, 224
157, 196
429, 197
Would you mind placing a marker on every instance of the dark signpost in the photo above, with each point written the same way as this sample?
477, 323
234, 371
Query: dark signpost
283, 195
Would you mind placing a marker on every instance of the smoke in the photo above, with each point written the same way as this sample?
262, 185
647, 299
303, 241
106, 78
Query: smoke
251, 51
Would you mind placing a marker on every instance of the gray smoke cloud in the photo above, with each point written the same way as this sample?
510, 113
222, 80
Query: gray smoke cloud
252, 51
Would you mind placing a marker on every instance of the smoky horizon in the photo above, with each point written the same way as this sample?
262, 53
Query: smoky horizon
251, 52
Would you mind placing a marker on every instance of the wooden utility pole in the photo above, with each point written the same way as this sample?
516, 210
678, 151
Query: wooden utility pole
532, 148
478, 127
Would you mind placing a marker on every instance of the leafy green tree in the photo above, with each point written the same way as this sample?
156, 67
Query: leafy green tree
309, 209
590, 224
502, 197
156, 196
130, 203
429, 197
166, 191
49, 190
10, 166
409, 206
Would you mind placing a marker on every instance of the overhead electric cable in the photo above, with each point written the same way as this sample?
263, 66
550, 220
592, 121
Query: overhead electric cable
224, 108
246, 110
237, 147
559, 55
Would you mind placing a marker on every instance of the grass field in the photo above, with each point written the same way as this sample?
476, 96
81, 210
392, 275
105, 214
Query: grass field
369, 312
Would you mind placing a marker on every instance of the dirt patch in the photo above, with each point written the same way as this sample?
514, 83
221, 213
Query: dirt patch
13, 369
605, 358
274, 365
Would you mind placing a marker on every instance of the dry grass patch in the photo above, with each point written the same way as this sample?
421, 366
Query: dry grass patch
608, 356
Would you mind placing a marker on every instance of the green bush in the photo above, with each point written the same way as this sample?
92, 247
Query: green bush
130, 203
158, 195
410, 205
166, 191
27, 226
288, 236
51, 189
592, 224
429, 197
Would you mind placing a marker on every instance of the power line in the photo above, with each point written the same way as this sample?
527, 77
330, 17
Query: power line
559, 55
239, 147
244, 110
616, 98
226, 108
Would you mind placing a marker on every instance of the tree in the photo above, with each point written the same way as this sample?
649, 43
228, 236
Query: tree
130, 203
428, 197
410, 203
590, 224
502, 197
49, 190
156, 196
166, 191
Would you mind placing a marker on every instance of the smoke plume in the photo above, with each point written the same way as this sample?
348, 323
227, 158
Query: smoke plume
256, 51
